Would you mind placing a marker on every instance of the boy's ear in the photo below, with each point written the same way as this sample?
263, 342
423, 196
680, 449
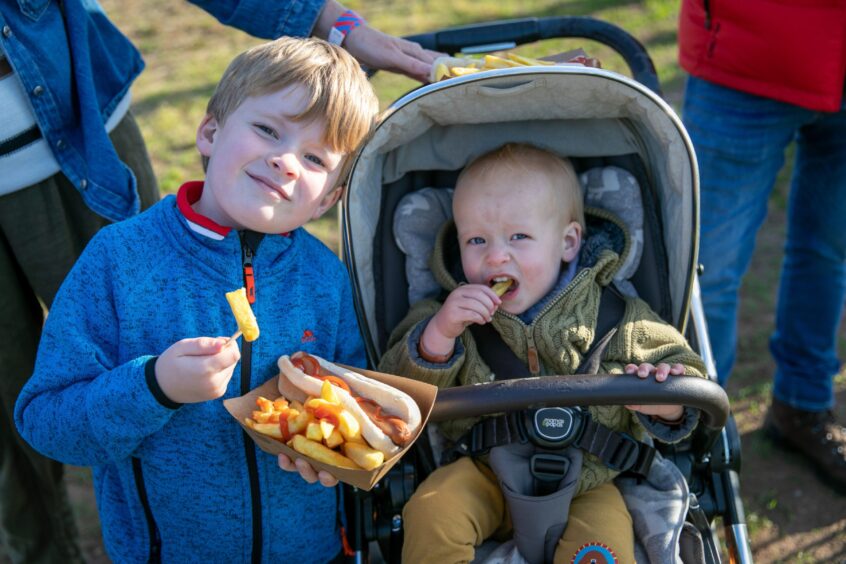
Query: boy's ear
205, 135
572, 241
329, 200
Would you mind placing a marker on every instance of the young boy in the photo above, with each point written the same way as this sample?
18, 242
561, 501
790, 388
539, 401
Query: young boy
518, 217
129, 379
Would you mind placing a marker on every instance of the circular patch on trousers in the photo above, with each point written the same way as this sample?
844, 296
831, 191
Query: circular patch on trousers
594, 553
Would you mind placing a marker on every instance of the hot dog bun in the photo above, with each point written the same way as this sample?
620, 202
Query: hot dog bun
392, 401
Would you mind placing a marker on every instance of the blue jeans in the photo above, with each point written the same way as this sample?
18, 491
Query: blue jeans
740, 142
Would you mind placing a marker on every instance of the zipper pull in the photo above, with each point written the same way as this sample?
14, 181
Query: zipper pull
249, 279
534, 361
250, 242
532, 357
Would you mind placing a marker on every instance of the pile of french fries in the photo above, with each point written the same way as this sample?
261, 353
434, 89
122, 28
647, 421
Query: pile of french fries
319, 428
448, 67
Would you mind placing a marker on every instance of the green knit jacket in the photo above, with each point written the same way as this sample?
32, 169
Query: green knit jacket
561, 333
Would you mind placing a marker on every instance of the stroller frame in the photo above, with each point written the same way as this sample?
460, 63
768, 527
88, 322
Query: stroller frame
709, 460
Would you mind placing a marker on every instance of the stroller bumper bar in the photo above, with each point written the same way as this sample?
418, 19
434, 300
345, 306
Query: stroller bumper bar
571, 391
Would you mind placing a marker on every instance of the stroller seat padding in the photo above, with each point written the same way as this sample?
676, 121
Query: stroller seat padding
419, 215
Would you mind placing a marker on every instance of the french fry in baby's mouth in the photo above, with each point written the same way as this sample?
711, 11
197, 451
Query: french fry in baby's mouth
501, 287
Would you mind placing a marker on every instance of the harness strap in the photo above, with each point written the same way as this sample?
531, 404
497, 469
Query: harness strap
618, 451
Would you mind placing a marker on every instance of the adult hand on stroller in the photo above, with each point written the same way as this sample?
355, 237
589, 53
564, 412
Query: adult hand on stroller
668, 413
307, 471
469, 303
378, 50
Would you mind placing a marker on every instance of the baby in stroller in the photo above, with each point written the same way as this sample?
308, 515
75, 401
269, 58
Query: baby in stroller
519, 221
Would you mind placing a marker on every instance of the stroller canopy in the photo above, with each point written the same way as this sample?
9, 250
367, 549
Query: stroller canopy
571, 110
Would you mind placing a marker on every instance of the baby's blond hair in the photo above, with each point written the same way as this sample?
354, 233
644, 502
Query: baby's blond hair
337, 88
528, 159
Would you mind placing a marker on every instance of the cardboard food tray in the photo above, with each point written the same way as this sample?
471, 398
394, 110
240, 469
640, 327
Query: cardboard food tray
424, 394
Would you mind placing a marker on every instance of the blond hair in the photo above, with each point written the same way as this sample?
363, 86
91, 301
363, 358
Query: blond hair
528, 159
337, 89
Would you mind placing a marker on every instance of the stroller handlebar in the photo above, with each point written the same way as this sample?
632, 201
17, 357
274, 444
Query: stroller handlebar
500, 34
579, 390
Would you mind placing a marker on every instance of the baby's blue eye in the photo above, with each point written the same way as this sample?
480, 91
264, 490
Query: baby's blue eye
519, 236
476, 241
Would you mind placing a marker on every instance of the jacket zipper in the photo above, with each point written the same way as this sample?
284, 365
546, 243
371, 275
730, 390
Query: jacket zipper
247, 254
155, 555
532, 355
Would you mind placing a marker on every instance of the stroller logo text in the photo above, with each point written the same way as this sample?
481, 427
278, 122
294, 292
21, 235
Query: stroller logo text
554, 424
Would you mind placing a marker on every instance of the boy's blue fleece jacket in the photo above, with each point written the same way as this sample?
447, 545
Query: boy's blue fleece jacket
140, 286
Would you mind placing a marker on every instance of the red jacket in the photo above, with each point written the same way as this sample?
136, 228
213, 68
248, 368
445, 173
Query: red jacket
788, 50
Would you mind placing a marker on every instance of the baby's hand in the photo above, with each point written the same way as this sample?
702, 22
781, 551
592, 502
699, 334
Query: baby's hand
195, 370
661, 371
671, 413
469, 303
307, 471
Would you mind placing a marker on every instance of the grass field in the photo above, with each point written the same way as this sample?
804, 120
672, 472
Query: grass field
792, 518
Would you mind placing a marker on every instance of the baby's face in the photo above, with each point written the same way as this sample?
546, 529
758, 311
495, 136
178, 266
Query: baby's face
267, 172
512, 226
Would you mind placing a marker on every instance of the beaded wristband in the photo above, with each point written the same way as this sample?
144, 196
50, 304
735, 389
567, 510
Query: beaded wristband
345, 23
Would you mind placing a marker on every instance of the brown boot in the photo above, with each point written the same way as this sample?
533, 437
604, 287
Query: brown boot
815, 435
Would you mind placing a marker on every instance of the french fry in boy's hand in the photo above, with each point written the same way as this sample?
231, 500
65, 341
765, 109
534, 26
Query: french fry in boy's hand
363, 455
243, 313
321, 453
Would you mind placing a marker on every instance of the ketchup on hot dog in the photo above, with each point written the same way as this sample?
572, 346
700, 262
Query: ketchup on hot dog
394, 427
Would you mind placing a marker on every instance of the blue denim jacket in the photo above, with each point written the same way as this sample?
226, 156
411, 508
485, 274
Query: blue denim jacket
75, 66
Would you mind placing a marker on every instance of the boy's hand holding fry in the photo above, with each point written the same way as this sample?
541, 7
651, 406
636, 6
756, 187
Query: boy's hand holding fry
198, 369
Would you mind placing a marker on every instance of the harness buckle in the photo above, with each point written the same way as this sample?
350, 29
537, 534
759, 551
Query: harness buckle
626, 454
548, 467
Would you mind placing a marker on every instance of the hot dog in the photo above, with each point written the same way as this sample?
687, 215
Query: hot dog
388, 416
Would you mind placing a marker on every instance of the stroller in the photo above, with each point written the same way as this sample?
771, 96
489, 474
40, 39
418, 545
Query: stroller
604, 122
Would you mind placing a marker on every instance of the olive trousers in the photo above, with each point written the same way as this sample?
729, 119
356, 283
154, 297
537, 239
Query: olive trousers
460, 505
